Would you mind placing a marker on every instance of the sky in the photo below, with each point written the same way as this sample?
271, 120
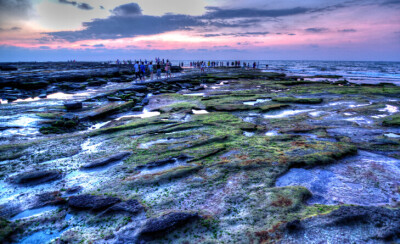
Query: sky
100, 30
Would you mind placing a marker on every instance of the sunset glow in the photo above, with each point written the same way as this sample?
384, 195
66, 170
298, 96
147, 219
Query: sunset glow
312, 29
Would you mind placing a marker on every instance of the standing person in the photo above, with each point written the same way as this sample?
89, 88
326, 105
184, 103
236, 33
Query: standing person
150, 67
203, 67
143, 71
158, 70
137, 71
167, 69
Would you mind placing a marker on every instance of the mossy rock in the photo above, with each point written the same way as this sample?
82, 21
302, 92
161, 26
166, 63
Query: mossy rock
266, 108
229, 107
393, 120
5, 230
179, 107
297, 100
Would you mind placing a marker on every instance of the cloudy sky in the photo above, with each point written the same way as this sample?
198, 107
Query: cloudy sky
52, 30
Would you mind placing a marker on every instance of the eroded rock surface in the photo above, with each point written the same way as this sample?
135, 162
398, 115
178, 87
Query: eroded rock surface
90, 202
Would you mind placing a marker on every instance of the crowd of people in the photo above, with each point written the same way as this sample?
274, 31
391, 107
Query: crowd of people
156, 67
144, 68
202, 65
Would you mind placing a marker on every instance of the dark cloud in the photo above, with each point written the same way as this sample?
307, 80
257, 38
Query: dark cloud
128, 21
130, 9
98, 45
68, 2
85, 45
347, 30
291, 34
44, 47
14, 9
11, 29
316, 30
391, 2
115, 27
83, 6
219, 13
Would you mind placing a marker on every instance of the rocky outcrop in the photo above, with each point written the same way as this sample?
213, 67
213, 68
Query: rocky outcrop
104, 161
8, 68
90, 202
373, 224
35, 177
73, 105
131, 206
155, 227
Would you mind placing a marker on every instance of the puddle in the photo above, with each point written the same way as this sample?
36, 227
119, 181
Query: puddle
364, 179
340, 103
20, 120
392, 135
358, 105
33, 212
252, 103
145, 114
153, 170
98, 125
20, 125
285, 113
45, 236
271, 133
360, 120
88, 147
248, 134
379, 116
316, 113
194, 111
195, 94
149, 144
390, 109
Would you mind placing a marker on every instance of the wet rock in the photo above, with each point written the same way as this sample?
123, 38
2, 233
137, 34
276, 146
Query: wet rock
72, 87
90, 202
144, 102
176, 69
48, 198
42, 95
8, 68
73, 105
138, 88
69, 116
294, 225
131, 206
166, 223
35, 177
114, 99
11, 98
74, 189
105, 161
10, 209
97, 82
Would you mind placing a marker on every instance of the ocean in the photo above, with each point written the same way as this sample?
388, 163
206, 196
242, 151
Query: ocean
366, 72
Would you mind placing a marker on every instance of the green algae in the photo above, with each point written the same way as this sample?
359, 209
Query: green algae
297, 100
230, 177
393, 120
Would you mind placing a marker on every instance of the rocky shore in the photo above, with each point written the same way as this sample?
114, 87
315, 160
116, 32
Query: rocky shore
229, 156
